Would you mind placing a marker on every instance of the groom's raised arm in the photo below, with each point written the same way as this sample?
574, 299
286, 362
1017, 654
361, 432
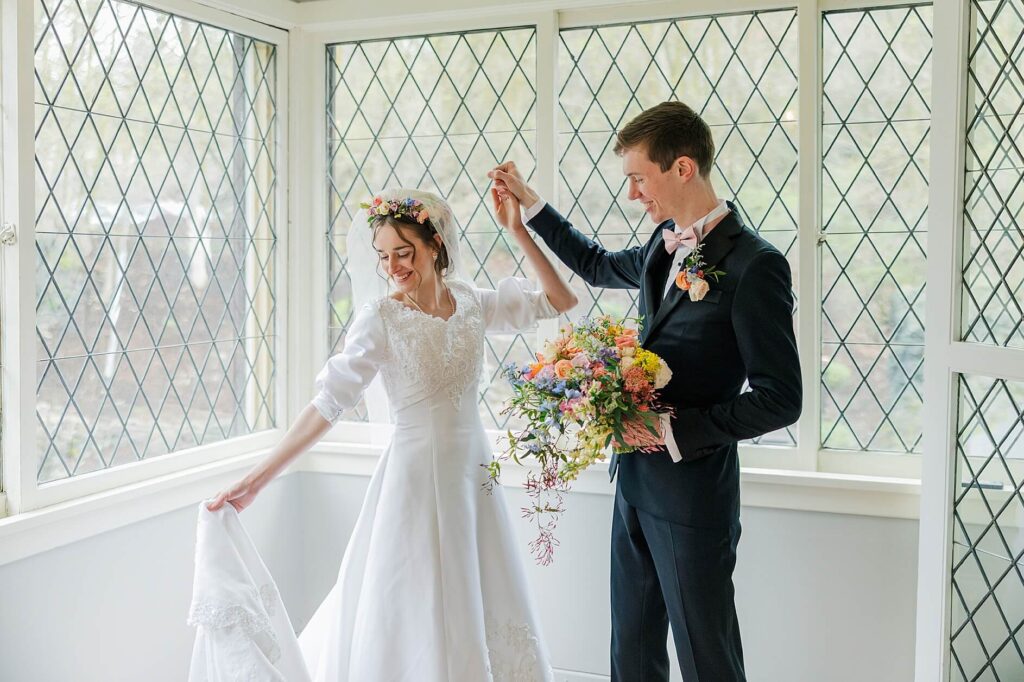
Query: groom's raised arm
596, 265
762, 317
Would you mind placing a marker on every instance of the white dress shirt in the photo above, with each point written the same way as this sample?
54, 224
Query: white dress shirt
679, 257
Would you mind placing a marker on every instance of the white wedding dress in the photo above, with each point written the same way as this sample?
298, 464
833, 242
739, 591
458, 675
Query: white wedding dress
431, 587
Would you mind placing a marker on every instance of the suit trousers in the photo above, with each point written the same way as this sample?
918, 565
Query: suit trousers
662, 573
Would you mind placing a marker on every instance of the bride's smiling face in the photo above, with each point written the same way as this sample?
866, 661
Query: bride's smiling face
407, 260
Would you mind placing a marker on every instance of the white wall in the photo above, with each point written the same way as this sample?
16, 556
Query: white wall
112, 608
821, 596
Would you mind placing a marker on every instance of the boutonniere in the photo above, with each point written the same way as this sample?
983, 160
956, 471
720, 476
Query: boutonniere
693, 274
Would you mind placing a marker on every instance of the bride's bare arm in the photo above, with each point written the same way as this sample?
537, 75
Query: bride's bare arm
506, 210
308, 428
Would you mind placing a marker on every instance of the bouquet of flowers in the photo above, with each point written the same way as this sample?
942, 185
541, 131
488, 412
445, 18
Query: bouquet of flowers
590, 392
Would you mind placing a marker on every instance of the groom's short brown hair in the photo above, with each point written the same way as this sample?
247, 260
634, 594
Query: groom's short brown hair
668, 131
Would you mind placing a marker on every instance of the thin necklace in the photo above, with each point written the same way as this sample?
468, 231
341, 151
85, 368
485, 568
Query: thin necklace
451, 302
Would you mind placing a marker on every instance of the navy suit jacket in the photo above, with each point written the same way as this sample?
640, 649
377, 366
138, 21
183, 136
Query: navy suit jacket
742, 331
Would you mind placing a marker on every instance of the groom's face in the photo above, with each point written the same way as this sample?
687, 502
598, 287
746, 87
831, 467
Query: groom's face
657, 190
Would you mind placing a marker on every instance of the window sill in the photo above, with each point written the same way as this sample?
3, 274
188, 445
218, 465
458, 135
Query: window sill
836, 493
33, 532
38, 531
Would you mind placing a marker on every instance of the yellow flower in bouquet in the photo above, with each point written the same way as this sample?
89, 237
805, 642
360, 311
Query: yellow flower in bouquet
592, 391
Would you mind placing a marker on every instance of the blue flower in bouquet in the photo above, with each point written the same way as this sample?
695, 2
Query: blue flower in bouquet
576, 402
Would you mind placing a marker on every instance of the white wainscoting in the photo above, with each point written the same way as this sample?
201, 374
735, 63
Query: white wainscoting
820, 595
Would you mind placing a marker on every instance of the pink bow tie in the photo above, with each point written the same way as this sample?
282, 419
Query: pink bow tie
676, 238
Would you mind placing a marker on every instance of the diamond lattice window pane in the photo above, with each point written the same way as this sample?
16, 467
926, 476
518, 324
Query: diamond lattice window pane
987, 591
875, 122
993, 268
155, 233
737, 71
433, 112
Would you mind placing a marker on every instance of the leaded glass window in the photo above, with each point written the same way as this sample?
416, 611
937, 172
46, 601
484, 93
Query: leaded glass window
875, 123
156, 233
432, 112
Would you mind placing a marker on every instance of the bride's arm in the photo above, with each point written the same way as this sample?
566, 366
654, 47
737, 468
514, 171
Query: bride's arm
506, 210
339, 384
305, 432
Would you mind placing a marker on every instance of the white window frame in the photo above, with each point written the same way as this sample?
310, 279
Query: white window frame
947, 356
807, 457
873, 478
23, 491
302, 292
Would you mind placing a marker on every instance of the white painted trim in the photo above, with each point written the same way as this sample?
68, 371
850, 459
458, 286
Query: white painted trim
842, 462
546, 148
899, 465
878, 496
314, 175
307, 285
276, 13
332, 16
782, 458
19, 260
242, 22
888, 497
774, 457
847, 5
38, 531
577, 676
808, 280
990, 361
945, 216
3, 504
82, 485
396, 28
285, 345
654, 11
545, 178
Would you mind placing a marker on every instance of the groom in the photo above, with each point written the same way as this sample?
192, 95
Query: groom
676, 523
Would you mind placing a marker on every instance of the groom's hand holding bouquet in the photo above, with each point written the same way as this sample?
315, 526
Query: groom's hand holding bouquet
592, 391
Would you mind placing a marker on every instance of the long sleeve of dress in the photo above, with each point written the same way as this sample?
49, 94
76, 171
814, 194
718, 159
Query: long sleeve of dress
346, 375
515, 306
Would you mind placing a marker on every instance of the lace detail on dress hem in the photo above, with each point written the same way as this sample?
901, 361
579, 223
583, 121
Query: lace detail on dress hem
216, 614
513, 651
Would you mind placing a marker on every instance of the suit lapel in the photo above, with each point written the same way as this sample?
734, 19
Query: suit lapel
716, 245
655, 272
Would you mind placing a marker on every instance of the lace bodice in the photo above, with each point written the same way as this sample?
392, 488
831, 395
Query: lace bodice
427, 353
421, 355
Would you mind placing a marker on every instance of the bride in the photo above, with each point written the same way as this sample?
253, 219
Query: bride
431, 586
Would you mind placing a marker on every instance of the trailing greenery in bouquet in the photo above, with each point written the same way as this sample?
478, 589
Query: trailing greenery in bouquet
591, 392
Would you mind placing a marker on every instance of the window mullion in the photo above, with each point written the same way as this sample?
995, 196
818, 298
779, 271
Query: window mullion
306, 274
18, 301
807, 280
545, 178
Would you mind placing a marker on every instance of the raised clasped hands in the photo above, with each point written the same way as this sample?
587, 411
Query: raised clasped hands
507, 178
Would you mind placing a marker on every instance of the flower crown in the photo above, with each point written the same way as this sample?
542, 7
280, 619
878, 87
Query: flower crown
396, 208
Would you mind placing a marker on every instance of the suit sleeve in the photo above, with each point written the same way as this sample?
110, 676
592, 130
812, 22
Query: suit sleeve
596, 265
762, 317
